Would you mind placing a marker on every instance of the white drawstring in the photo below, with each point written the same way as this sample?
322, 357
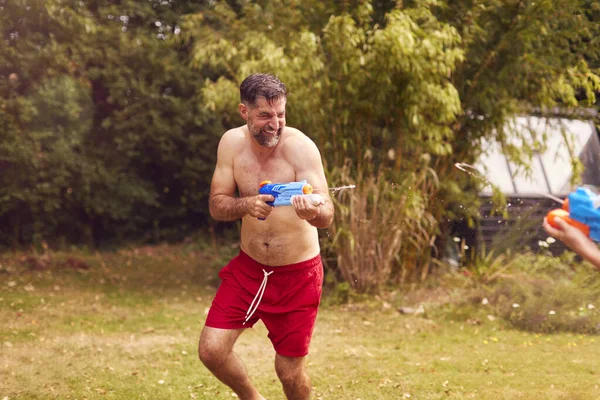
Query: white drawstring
259, 295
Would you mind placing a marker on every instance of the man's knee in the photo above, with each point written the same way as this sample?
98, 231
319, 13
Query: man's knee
215, 346
210, 354
290, 371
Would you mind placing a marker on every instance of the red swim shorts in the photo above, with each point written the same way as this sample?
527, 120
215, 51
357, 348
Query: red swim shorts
285, 298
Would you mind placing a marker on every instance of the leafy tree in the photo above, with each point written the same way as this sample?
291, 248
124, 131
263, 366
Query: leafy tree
102, 133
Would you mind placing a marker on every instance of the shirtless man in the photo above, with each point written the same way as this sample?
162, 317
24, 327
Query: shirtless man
278, 274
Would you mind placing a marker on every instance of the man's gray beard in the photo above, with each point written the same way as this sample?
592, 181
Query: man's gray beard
267, 140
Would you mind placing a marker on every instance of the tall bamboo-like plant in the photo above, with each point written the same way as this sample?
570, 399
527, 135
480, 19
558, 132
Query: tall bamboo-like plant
367, 231
382, 233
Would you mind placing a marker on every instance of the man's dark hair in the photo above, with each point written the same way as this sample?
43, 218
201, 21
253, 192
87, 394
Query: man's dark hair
265, 85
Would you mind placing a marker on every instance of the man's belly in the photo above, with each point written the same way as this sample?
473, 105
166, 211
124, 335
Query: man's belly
281, 239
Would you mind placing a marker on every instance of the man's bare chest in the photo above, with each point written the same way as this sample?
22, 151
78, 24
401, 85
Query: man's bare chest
249, 172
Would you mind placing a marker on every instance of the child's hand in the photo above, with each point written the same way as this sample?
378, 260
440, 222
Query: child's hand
568, 234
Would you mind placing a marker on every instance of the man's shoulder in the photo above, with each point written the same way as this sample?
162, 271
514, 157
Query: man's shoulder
296, 141
236, 133
295, 136
293, 131
234, 136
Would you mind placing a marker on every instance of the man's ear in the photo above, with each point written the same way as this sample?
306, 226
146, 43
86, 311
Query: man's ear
243, 110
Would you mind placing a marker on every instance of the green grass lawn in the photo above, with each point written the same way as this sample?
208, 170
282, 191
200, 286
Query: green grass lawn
125, 325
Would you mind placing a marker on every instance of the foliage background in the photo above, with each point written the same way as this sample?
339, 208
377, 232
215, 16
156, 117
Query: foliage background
111, 111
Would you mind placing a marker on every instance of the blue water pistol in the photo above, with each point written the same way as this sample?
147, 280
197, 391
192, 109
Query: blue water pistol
582, 210
283, 192
584, 206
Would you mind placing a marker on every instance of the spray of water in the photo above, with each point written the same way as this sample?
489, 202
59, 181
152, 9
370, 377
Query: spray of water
473, 171
553, 198
340, 188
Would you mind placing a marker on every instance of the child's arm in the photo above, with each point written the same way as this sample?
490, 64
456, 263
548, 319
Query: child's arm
575, 240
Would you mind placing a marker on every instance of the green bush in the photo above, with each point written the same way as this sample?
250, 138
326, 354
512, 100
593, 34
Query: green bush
531, 292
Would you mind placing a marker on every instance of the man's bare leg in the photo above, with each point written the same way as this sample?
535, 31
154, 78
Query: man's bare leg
295, 381
216, 353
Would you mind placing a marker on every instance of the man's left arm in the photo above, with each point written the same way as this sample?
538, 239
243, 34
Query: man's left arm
309, 165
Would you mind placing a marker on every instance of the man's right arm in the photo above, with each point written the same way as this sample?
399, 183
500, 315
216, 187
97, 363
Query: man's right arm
222, 204
226, 208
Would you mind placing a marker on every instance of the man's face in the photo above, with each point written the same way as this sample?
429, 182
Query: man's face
266, 120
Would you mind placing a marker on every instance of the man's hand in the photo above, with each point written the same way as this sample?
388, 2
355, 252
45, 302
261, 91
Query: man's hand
306, 207
257, 207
